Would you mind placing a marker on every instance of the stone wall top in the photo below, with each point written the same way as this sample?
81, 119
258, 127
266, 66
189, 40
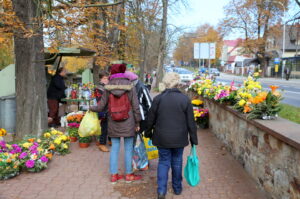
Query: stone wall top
282, 129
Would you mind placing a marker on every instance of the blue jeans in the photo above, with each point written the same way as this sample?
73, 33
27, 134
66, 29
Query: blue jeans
114, 154
169, 158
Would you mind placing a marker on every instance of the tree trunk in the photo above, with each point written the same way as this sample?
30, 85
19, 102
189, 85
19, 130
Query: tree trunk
162, 44
99, 39
31, 117
96, 70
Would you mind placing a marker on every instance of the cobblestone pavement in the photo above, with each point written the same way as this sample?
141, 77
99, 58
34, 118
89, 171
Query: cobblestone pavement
84, 174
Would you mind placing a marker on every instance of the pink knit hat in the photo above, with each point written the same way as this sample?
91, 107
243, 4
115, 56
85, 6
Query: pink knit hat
130, 75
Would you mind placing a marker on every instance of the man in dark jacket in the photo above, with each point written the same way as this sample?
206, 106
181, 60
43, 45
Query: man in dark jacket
103, 76
144, 97
172, 116
56, 91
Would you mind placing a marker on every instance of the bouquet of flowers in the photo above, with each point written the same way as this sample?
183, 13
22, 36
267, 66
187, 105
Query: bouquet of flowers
9, 165
56, 141
33, 158
201, 117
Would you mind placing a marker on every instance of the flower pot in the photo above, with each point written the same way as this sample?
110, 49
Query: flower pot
73, 139
97, 143
84, 145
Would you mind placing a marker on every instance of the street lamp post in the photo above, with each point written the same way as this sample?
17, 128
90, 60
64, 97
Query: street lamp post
283, 35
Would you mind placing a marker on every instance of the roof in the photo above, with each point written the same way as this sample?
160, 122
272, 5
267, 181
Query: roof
231, 59
233, 43
69, 52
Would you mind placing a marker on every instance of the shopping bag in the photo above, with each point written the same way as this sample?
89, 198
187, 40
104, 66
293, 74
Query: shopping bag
90, 125
140, 158
191, 170
152, 151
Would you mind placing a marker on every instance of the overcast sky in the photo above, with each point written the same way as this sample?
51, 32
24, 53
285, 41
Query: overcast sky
199, 12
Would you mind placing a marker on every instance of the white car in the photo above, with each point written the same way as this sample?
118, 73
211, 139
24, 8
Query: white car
185, 75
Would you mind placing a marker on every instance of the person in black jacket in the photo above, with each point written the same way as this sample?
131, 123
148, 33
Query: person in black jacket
172, 118
144, 97
56, 91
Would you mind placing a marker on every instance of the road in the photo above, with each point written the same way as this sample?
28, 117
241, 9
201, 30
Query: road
290, 89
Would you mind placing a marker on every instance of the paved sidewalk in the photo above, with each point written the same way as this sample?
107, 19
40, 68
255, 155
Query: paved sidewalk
83, 174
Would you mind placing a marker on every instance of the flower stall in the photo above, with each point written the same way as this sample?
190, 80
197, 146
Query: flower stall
32, 154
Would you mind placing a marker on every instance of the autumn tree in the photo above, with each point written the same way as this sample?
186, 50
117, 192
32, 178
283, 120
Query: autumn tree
206, 33
26, 20
253, 18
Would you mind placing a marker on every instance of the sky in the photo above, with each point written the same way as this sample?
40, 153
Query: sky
197, 12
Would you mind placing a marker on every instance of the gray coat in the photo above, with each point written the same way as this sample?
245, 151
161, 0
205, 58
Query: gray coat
118, 87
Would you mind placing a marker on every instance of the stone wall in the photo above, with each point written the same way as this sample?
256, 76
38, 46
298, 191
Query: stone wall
268, 150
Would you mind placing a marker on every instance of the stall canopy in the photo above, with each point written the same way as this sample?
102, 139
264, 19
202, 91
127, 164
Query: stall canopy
54, 58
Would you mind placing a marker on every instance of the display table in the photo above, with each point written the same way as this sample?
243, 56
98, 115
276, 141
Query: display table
78, 101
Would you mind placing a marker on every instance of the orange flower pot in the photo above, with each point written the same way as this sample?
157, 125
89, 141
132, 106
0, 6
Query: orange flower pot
84, 145
73, 139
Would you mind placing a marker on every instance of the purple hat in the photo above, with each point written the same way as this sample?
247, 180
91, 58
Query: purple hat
131, 76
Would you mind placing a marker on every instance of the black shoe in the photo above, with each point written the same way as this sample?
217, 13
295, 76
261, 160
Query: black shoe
160, 196
177, 192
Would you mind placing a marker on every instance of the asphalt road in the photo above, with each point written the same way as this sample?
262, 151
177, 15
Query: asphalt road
290, 90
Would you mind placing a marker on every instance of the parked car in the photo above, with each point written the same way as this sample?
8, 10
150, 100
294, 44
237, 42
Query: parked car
168, 69
214, 71
185, 75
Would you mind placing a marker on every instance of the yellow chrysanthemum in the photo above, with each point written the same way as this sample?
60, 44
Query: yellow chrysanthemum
47, 135
64, 138
57, 141
27, 145
242, 102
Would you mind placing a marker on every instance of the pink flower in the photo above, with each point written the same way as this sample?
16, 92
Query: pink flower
44, 159
74, 125
23, 155
30, 163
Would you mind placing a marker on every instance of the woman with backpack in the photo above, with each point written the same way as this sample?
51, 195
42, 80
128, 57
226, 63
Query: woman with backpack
123, 120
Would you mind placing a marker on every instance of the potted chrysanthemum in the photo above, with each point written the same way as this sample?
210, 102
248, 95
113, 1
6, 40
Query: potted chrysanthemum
84, 142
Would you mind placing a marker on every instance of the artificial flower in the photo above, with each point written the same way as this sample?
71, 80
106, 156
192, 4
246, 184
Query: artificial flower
197, 102
44, 158
29, 163
23, 155
51, 147
27, 145
242, 102
57, 141
47, 135
274, 88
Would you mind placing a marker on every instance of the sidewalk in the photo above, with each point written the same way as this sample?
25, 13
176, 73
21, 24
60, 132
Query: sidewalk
84, 174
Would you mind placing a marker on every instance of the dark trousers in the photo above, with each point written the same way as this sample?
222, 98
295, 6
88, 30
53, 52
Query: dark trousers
103, 136
169, 158
53, 106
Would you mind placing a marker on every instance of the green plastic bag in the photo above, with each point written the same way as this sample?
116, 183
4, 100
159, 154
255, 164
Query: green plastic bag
191, 170
90, 125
